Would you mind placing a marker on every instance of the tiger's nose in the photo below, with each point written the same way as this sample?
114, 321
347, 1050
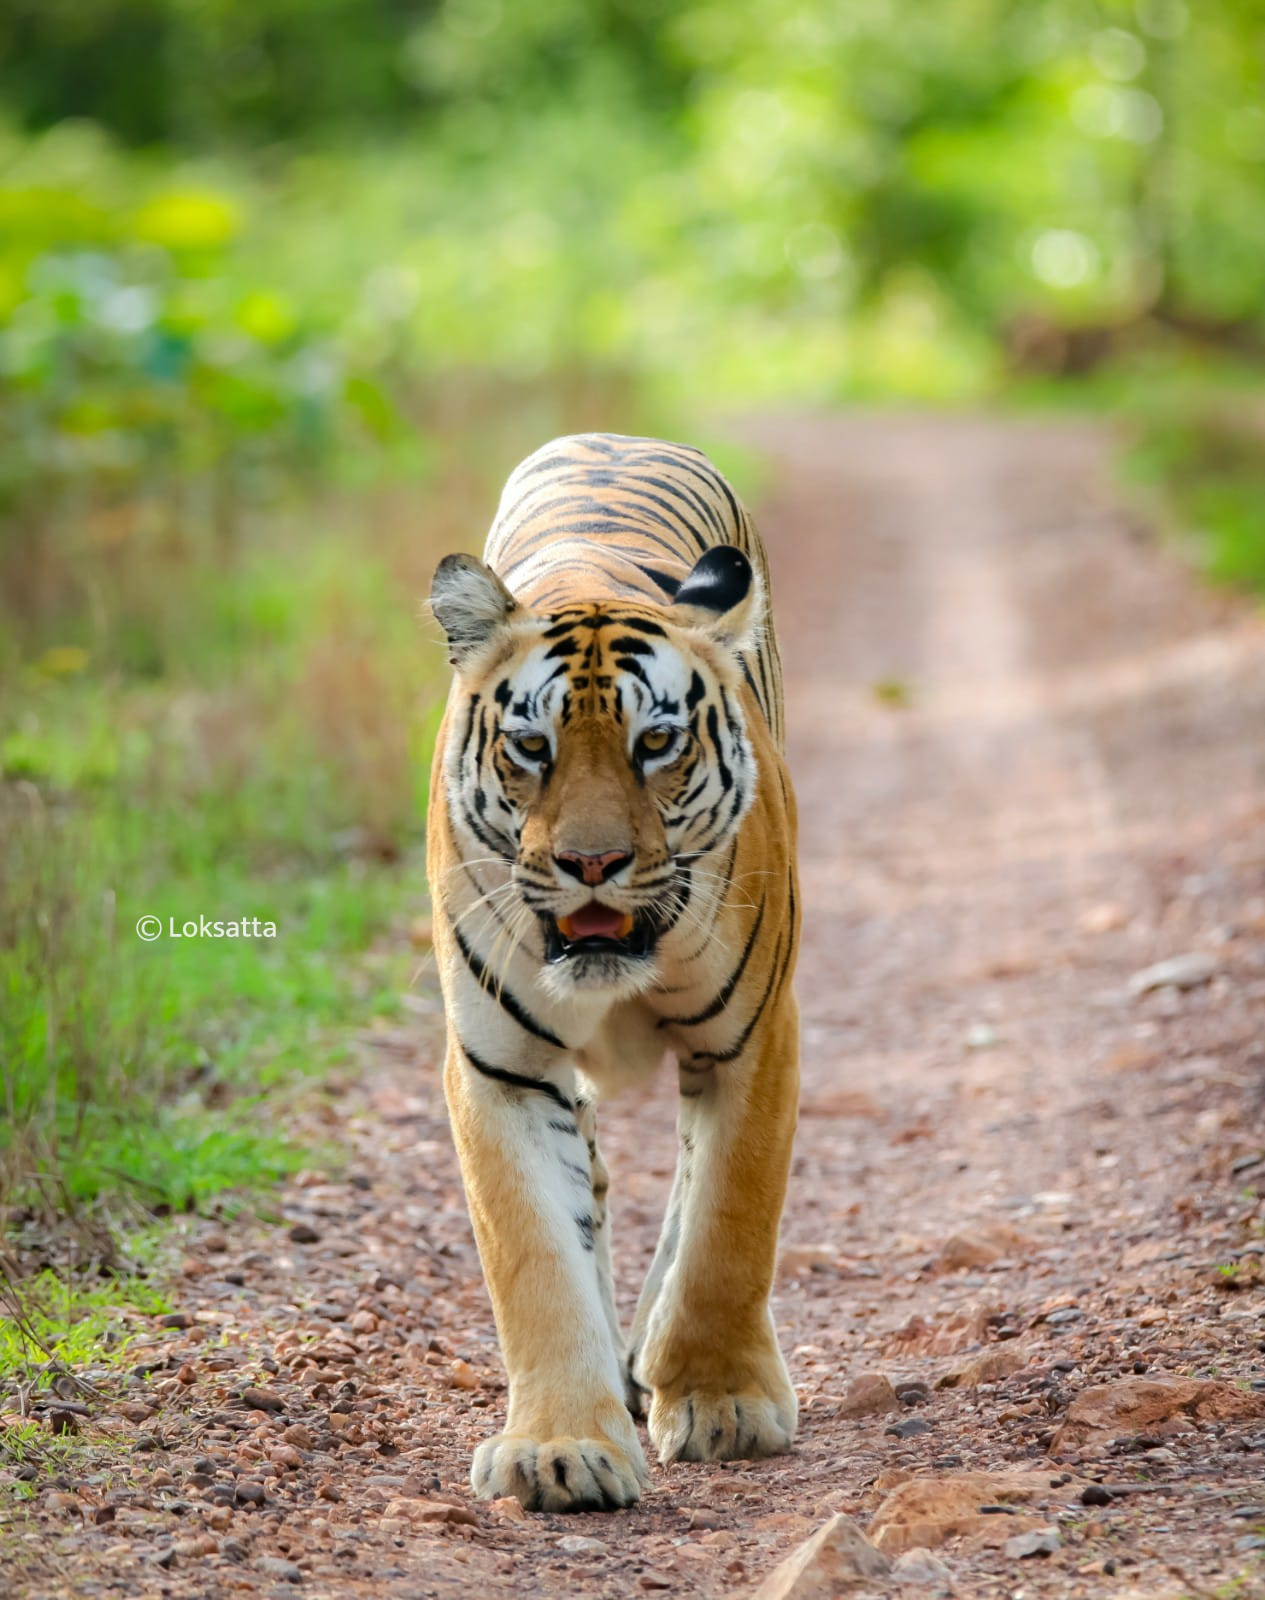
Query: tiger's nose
592, 869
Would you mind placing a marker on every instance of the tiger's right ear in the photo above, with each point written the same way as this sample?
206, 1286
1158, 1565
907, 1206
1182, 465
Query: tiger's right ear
471, 604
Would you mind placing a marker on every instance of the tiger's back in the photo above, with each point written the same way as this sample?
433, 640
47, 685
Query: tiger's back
598, 516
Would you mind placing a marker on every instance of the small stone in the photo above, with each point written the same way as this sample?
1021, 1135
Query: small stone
869, 1395
300, 1436
63, 1422
176, 1319
982, 1246
980, 1036
920, 1566
285, 1571
215, 1241
327, 1489
703, 1522
202, 1545
134, 1411
304, 1233
432, 1511
576, 1545
991, 1366
263, 1399
219, 1518
462, 1375
508, 1506
250, 1493
1250, 1541
65, 1503
912, 1392
1178, 972
162, 1557
835, 1557
801, 1260
364, 1322
285, 1455
1040, 1542
1096, 1494
1103, 918
909, 1429
187, 1375
650, 1579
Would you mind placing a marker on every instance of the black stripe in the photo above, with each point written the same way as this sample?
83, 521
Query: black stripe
776, 975
495, 841
695, 500
723, 998
516, 1080
501, 994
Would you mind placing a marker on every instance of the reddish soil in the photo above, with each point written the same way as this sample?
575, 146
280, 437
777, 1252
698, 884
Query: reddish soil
1029, 751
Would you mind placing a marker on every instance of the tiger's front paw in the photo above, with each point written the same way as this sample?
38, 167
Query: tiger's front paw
558, 1474
713, 1425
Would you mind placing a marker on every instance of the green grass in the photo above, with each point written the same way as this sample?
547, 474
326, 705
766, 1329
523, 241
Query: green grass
276, 780
74, 1324
1206, 461
29, 1444
246, 741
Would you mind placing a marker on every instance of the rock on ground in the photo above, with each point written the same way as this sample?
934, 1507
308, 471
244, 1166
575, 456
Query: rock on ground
928, 1510
837, 1558
1144, 1405
870, 1395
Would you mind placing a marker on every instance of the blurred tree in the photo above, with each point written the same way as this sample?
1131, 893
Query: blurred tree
878, 188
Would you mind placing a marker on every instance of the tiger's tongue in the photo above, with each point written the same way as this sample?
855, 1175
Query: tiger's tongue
594, 921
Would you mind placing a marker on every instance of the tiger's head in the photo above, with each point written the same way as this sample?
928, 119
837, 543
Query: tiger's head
598, 751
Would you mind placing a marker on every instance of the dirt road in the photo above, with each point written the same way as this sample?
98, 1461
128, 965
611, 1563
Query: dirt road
1029, 753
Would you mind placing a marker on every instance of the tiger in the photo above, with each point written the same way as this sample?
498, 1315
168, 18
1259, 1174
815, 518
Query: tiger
611, 860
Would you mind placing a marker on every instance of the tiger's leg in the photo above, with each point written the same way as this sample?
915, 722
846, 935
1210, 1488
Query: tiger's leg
599, 1179
707, 1348
664, 1254
569, 1443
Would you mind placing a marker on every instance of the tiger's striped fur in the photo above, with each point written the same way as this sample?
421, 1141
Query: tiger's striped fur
612, 861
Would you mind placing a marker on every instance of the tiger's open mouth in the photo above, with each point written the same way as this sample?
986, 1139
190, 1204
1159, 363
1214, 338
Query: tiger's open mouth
597, 930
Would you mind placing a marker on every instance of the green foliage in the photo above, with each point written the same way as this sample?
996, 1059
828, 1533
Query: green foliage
762, 200
1201, 446
71, 1324
148, 391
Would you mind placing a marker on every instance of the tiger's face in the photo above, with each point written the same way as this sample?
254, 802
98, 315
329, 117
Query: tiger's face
598, 751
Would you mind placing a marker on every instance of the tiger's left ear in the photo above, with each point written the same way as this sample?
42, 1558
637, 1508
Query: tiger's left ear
471, 605
723, 596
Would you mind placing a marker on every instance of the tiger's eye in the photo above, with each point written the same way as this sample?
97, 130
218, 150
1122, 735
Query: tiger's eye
532, 744
655, 741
